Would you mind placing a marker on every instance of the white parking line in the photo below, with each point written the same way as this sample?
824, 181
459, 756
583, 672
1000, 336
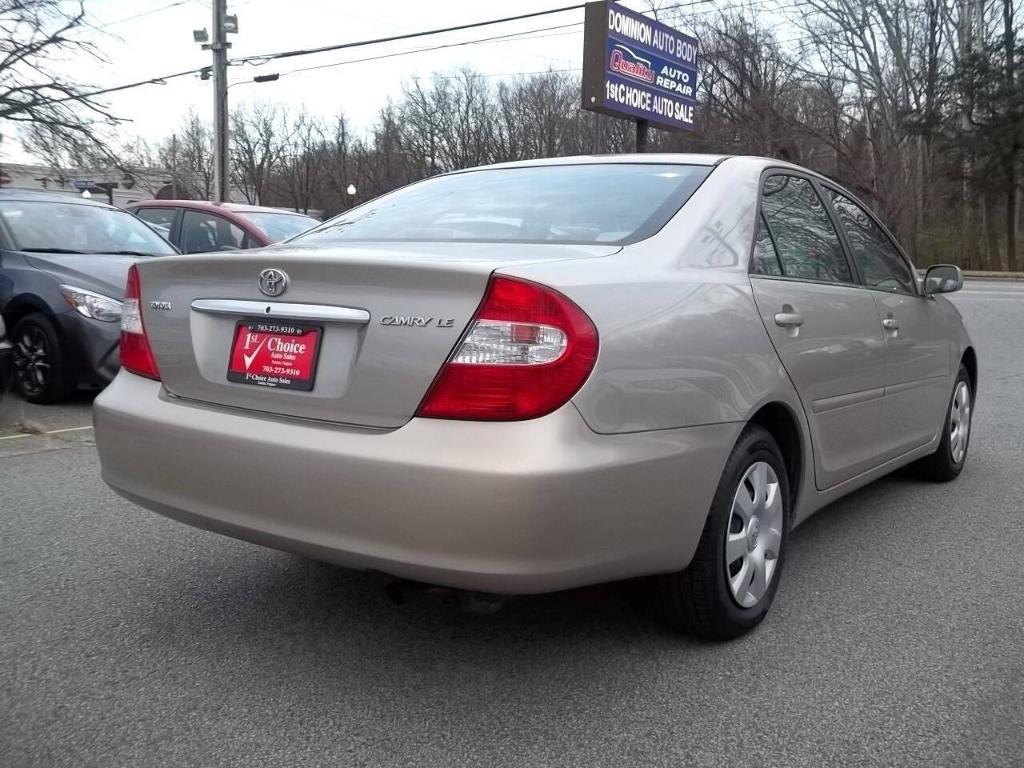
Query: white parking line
47, 432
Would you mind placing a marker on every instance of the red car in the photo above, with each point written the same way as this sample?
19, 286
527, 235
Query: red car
196, 226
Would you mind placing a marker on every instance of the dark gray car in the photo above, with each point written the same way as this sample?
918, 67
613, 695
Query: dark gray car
63, 266
6, 359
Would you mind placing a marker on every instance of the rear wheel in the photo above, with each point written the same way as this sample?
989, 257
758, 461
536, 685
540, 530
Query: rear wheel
731, 581
949, 458
40, 361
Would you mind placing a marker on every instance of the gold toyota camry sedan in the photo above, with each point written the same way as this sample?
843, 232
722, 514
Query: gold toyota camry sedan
530, 377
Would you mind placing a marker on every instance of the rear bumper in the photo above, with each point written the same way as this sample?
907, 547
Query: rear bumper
519, 507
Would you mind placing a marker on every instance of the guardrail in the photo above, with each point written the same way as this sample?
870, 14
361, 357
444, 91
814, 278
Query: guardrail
979, 275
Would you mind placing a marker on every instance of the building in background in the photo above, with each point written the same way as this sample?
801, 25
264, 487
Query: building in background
114, 185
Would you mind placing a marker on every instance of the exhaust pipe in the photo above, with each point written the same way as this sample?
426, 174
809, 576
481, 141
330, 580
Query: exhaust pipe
399, 591
470, 602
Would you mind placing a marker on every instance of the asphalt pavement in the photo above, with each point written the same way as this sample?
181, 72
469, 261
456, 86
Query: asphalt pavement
896, 639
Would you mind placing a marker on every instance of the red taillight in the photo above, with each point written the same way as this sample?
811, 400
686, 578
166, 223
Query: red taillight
136, 356
528, 350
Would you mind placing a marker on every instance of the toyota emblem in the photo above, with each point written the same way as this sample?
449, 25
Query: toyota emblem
273, 282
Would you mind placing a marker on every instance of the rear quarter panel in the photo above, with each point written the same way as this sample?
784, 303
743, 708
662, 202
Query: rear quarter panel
682, 343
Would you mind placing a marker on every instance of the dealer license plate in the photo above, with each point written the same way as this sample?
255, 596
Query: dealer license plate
280, 355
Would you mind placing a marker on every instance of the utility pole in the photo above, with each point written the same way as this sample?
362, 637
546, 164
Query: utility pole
219, 45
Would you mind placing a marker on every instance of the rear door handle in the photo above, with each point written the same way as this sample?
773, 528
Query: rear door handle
890, 324
789, 319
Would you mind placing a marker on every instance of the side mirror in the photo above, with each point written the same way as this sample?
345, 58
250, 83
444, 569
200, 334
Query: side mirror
943, 278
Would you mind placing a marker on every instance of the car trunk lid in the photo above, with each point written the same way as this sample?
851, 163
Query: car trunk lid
383, 320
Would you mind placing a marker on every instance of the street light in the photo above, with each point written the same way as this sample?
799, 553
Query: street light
351, 190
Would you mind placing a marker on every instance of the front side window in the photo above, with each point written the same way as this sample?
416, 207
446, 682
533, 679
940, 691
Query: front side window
54, 227
807, 244
880, 263
614, 203
203, 232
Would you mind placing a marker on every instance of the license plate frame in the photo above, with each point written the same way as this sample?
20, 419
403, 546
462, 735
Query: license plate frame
275, 369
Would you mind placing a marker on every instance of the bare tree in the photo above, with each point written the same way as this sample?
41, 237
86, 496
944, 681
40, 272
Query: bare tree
302, 163
259, 136
188, 156
61, 121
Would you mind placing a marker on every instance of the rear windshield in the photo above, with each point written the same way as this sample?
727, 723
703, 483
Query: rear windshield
280, 226
614, 203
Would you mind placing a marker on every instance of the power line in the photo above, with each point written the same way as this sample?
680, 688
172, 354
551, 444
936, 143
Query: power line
408, 36
303, 52
148, 13
160, 80
288, 54
511, 35
267, 57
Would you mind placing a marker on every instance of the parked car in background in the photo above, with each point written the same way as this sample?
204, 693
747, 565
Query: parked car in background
63, 269
536, 376
6, 360
200, 227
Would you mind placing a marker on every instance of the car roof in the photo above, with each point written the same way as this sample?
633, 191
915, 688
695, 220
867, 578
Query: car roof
654, 158
205, 205
31, 195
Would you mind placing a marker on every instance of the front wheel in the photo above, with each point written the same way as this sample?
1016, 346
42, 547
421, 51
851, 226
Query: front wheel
731, 581
40, 360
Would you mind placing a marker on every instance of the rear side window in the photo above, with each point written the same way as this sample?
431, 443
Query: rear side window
615, 203
798, 224
880, 263
161, 219
766, 258
280, 226
203, 232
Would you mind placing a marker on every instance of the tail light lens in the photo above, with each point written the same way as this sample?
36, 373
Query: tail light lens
136, 355
528, 350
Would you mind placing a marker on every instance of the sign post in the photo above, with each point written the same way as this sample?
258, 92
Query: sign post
639, 69
641, 135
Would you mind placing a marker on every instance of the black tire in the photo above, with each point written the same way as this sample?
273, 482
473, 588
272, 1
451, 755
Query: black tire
40, 360
941, 467
699, 599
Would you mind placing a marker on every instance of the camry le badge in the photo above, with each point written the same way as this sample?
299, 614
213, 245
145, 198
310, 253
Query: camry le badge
273, 282
418, 322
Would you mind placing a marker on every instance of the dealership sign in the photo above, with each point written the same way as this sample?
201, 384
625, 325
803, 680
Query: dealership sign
638, 68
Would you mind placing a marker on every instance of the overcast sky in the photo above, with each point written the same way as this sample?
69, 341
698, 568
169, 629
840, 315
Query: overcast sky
143, 38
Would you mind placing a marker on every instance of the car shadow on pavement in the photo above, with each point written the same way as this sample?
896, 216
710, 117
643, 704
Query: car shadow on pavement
291, 614
18, 415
